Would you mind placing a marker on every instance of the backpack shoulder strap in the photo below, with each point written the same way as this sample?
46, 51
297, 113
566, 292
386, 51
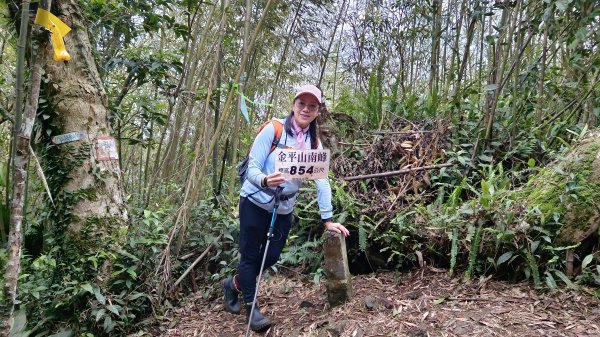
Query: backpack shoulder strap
278, 132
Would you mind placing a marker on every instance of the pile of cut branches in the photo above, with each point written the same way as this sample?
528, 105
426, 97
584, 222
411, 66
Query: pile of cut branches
370, 166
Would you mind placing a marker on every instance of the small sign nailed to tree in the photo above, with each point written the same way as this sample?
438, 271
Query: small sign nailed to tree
68, 137
302, 164
106, 148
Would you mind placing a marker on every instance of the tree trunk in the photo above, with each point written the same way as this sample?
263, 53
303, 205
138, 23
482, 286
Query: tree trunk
455, 54
515, 87
412, 54
542, 74
495, 77
465, 59
436, 10
22, 134
92, 213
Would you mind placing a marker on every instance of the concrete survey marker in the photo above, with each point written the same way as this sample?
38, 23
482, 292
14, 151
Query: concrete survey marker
339, 282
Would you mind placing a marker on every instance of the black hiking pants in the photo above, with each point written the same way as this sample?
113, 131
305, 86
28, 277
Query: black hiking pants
254, 226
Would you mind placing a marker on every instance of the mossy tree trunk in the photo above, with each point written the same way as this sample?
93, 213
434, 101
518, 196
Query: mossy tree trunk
90, 215
88, 196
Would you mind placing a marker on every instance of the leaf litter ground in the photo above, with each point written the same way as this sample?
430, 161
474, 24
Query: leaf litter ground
426, 302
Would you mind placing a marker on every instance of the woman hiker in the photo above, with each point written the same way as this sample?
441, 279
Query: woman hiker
256, 205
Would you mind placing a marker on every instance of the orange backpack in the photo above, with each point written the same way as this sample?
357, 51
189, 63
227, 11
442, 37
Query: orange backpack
242, 167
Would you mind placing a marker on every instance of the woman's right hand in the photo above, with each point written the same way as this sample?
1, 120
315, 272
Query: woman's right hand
274, 179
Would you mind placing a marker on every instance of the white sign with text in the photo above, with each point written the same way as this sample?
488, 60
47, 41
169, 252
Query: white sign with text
302, 164
106, 148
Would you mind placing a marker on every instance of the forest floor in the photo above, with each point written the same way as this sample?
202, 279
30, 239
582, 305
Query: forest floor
425, 302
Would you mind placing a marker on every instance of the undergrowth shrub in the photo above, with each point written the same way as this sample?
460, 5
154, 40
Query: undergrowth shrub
105, 293
515, 233
211, 219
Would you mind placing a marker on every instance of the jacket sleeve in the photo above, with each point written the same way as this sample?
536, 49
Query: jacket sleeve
261, 148
324, 195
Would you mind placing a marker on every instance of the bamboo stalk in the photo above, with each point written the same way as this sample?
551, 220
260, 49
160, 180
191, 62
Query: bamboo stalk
342, 13
194, 51
235, 134
283, 58
201, 162
400, 132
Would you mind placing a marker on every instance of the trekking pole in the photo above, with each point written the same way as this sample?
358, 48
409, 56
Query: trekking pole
262, 265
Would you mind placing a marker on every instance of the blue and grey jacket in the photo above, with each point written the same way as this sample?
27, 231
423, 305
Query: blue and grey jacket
262, 163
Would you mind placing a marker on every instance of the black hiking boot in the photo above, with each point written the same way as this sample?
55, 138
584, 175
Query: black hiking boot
231, 300
258, 322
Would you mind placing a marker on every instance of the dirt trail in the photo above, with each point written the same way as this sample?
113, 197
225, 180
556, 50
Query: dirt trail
421, 303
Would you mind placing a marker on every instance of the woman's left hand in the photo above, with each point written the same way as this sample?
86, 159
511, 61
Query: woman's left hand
337, 227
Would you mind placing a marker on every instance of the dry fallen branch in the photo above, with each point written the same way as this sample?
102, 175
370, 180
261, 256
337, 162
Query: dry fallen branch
190, 268
399, 172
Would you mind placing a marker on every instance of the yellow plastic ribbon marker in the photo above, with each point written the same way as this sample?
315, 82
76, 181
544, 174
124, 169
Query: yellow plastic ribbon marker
58, 28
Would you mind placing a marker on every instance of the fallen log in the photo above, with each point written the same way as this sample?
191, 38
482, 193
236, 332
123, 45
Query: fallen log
399, 172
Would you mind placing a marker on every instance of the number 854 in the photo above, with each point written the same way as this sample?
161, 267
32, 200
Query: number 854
301, 170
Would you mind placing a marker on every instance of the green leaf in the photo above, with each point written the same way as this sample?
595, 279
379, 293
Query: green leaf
87, 287
550, 282
108, 324
131, 272
534, 246
135, 296
557, 249
100, 314
504, 257
99, 295
564, 278
485, 187
587, 261
531, 163
362, 238
559, 170
113, 309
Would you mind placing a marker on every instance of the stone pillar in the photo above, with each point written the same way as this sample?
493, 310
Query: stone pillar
338, 283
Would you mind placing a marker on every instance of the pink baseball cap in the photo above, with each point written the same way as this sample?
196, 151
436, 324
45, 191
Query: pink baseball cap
309, 89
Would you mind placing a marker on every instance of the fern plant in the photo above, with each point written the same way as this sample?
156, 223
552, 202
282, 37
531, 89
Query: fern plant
453, 250
474, 252
533, 267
